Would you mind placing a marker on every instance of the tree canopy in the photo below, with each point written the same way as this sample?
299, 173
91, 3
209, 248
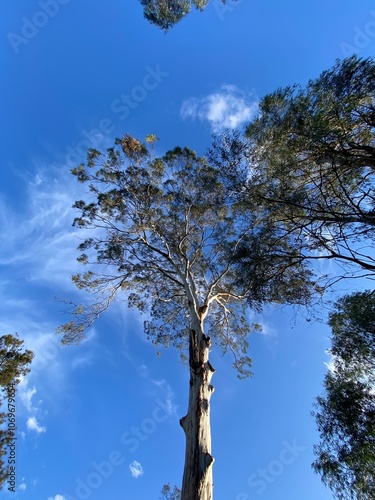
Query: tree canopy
167, 13
13, 364
312, 153
171, 230
345, 413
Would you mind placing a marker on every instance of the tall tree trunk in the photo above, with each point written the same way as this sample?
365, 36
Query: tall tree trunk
197, 478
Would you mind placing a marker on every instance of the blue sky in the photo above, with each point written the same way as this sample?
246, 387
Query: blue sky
100, 420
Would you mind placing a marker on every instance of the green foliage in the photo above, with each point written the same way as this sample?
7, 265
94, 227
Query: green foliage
268, 259
168, 494
282, 276
168, 232
165, 14
312, 153
353, 329
346, 412
13, 364
13, 360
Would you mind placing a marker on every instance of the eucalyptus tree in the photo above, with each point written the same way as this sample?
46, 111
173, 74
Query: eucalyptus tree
313, 159
168, 232
345, 413
14, 363
167, 13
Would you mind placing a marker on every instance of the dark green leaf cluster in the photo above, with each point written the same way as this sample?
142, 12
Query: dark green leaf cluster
167, 493
167, 13
13, 360
282, 277
353, 332
345, 414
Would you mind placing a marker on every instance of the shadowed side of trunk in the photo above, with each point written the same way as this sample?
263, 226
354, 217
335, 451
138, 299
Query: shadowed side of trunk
197, 478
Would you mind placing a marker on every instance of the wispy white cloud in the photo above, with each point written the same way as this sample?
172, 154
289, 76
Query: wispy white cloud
33, 425
38, 249
171, 407
331, 363
57, 497
82, 361
136, 469
228, 108
26, 397
40, 239
22, 486
46, 348
143, 370
267, 329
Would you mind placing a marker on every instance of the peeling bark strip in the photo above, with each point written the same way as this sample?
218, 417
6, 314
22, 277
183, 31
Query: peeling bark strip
197, 478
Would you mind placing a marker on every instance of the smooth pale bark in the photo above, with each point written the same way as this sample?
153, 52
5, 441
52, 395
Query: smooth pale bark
197, 478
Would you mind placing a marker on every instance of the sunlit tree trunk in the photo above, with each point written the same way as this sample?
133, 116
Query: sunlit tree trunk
197, 478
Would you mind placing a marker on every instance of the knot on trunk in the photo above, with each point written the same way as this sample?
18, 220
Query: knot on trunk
208, 459
206, 341
205, 405
203, 310
182, 421
210, 367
